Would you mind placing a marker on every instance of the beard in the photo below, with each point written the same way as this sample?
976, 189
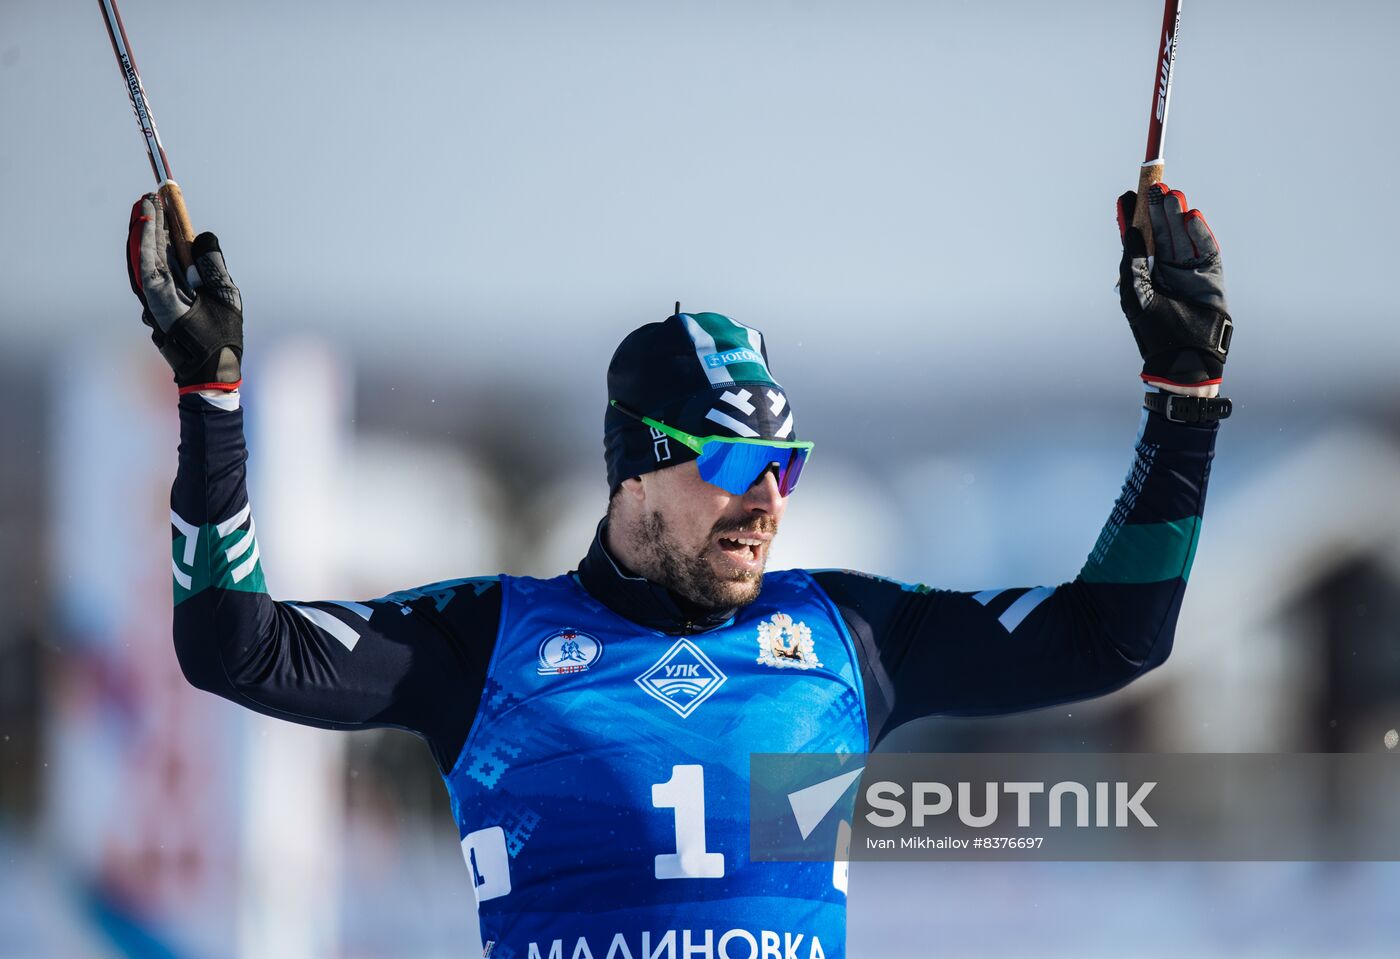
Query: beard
688, 573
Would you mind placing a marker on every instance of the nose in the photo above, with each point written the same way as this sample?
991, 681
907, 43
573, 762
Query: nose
764, 496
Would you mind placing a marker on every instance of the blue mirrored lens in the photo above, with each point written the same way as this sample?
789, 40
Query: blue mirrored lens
733, 467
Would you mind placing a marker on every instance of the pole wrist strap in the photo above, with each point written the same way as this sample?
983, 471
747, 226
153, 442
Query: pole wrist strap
1189, 409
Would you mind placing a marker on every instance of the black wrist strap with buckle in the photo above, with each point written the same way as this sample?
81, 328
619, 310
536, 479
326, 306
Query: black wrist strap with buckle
1189, 409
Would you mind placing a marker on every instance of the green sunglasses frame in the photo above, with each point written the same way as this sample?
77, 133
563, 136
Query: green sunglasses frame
697, 443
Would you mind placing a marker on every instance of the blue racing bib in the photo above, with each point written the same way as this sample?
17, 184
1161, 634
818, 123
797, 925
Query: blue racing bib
602, 795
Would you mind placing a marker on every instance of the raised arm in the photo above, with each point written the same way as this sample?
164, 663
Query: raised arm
928, 651
415, 660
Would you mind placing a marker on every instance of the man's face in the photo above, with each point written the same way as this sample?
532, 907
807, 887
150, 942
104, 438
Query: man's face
701, 542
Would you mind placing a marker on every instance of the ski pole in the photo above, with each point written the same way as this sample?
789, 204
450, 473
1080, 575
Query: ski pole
1153, 163
178, 218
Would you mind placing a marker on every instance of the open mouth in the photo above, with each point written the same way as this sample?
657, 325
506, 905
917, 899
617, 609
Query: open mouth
745, 549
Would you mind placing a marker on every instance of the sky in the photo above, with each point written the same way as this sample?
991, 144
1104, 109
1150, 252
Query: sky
897, 193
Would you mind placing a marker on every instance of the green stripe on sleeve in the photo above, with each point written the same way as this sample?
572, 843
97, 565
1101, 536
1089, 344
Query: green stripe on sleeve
229, 562
1144, 553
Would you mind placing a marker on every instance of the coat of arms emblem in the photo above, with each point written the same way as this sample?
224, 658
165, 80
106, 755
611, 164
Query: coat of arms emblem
785, 644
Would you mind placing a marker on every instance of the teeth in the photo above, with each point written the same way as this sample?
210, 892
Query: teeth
750, 542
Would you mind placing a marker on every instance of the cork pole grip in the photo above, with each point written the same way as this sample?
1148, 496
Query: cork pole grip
1150, 173
177, 219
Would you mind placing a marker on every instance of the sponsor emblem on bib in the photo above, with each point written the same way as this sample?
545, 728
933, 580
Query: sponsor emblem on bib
785, 644
683, 678
568, 651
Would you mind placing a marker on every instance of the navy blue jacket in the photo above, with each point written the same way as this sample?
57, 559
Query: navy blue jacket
922, 651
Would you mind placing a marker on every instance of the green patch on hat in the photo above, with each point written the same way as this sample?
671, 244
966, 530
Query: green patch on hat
728, 352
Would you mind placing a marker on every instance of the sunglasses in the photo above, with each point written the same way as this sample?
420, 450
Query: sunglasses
735, 463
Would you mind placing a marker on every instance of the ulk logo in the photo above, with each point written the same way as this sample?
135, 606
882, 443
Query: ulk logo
683, 678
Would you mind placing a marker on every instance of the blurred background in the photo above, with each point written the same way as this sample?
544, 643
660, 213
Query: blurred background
444, 216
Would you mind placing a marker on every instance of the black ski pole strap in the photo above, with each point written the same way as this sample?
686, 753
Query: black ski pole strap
1189, 409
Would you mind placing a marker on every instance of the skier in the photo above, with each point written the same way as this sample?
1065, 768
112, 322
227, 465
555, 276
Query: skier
602, 805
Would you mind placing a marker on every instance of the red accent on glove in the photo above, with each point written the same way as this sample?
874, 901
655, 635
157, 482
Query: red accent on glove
1148, 378
1198, 215
225, 387
133, 246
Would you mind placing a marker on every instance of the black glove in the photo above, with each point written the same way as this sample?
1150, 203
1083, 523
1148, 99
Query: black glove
197, 328
1175, 306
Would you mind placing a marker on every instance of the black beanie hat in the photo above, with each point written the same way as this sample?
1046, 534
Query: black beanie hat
702, 373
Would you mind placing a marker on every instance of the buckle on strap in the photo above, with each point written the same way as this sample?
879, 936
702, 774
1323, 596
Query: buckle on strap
1222, 342
1189, 409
